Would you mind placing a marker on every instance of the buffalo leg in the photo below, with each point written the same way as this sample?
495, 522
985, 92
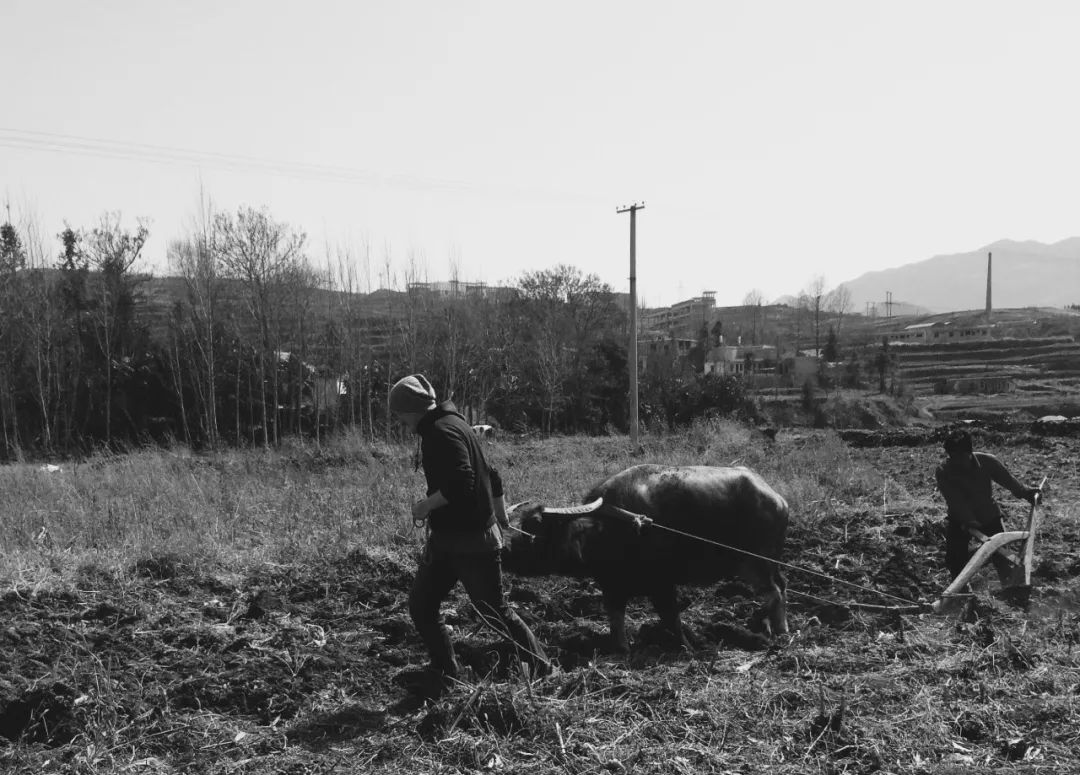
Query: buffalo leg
615, 606
776, 604
766, 577
666, 603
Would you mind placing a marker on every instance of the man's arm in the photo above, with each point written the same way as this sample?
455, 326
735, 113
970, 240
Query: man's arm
1001, 475
421, 509
453, 479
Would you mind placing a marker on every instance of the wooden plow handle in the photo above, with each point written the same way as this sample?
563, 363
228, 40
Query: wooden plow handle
1032, 528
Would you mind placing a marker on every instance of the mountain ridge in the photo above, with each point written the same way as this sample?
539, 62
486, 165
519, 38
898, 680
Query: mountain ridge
1024, 273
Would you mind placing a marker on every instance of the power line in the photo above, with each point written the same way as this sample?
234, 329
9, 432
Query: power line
23, 139
46, 141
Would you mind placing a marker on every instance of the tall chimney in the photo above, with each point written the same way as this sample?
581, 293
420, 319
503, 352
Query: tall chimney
989, 258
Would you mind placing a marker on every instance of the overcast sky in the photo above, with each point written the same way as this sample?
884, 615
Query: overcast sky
770, 141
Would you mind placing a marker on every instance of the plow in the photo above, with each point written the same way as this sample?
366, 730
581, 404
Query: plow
1017, 587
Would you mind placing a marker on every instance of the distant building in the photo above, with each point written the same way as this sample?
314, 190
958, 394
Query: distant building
660, 353
457, 289
683, 319
970, 385
725, 360
940, 332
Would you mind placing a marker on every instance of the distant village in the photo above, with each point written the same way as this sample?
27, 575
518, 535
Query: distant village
745, 341
668, 335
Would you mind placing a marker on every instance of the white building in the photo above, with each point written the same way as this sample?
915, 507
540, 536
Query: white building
940, 332
740, 359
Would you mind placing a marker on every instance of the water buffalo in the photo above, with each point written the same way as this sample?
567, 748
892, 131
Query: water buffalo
624, 540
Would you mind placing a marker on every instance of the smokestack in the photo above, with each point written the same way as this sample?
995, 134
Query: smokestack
989, 259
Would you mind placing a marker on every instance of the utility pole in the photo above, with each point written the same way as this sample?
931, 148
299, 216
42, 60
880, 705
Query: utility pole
888, 304
632, 209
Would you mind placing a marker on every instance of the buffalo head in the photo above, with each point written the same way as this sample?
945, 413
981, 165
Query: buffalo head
537, 541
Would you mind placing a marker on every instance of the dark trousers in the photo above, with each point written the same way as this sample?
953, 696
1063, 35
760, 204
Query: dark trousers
481, 575
957, 553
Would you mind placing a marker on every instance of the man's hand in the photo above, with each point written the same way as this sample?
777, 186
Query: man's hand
1032, 495
421, 510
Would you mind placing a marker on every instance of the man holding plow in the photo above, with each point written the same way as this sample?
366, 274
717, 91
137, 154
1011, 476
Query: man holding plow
966, 481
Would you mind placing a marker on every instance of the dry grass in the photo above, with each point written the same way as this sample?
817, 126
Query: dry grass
238, 509
234, 509
245, 612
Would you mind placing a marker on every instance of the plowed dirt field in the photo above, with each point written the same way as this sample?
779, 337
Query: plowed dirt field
292, 670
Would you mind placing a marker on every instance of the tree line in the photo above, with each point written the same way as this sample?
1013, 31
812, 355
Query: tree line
266, 340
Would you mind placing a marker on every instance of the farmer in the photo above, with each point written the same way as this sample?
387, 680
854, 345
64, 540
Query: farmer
463, 504
965, 480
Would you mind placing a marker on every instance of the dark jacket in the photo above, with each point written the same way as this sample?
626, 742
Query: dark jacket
969, 492
454, 464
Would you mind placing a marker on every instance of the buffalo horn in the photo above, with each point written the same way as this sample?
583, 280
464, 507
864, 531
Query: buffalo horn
586, 508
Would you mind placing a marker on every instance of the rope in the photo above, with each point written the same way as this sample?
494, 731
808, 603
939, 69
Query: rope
825, 576
811, 597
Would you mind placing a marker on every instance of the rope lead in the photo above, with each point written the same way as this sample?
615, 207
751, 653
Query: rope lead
852, 584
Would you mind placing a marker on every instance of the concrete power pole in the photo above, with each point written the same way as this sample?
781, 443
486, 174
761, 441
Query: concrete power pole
989, 309
632, 209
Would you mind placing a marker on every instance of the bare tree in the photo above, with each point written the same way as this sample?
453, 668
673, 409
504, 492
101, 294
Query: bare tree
365, 354
565, 313
299, 283
340, 282
754, 298
12, 260
260, 253
195, 261
73, 303
417, 304
39, 332
839, 303
802, 307
454, 353
815, 294
349, 348
495, 331
113, 251
389, 280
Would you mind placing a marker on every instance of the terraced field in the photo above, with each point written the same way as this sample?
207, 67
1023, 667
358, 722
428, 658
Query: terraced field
1025, 377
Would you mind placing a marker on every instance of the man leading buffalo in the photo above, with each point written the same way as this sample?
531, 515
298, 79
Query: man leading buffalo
464, 503
966, 480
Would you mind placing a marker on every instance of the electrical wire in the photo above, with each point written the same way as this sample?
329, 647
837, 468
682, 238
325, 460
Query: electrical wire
24, 139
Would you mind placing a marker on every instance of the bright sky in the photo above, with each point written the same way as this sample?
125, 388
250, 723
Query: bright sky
770, 141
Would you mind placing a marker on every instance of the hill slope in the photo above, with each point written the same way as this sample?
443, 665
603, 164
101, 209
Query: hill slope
1025, 274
